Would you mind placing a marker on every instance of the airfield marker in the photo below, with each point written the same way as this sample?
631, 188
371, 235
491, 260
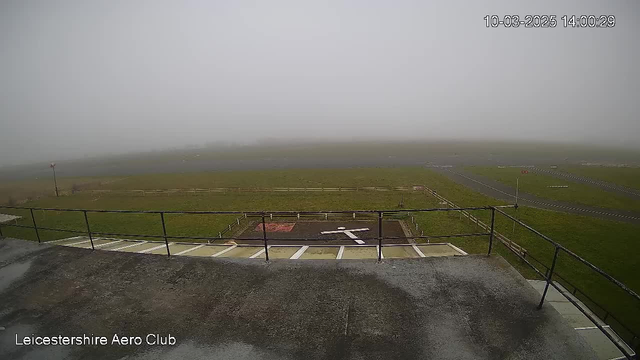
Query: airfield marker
349, 233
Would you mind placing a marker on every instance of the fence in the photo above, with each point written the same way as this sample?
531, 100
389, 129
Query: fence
199, 191
548, 275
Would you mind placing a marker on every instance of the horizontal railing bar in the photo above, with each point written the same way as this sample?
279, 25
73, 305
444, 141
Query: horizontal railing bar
254, 213
574, 255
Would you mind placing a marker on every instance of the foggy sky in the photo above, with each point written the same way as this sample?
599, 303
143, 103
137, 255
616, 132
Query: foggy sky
83, 77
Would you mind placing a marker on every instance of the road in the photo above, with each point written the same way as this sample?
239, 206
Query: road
504, 192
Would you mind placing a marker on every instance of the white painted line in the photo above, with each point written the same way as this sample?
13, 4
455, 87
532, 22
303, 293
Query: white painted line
340, 252
415, 247
189, 250
224, 251
590, 327
153, 248
379, 252
78, 243
299, 252
109, 243
457, 249
128, 246
258, 253
71, 238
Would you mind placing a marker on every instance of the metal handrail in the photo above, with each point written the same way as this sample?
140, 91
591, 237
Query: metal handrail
379, 214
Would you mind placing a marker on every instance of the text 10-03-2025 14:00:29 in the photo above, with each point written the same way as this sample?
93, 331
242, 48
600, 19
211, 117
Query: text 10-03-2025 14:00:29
550, 21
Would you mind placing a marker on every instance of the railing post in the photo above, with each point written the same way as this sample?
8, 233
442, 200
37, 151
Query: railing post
493, 218
164, 233
35, 227
1, 236
546, 287
86, 221
379, 235
264, 237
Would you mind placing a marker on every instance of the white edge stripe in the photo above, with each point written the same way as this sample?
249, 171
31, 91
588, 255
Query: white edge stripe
457, 249
128, 246
590, 327
109, 243
189, 250
415, 247
151, 249
71, 238
299, 252
224, 251
340, 252
258, 253
78, 243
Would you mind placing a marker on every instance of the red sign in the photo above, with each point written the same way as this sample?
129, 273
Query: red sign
275, 227
524, 171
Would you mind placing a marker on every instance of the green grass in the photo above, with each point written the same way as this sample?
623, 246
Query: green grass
608, 244
629, 177
538, 184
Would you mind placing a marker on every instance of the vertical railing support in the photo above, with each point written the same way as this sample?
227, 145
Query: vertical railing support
164, 233
379, 235
1, 236
86, 221
264, 237
35, 227
549, 277
493, 218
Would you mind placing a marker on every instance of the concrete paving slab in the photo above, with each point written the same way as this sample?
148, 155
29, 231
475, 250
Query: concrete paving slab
360, 252
399, 252
118, 244
577, 320
71, 240
142, 246
437, 250
321, 253
280, 252
96, 242
599, 342
242, 252
207, 250
173, 248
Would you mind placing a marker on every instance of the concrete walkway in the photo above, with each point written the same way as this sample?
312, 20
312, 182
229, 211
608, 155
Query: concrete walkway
605, 349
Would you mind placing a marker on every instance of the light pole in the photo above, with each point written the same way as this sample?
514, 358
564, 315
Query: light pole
55, 183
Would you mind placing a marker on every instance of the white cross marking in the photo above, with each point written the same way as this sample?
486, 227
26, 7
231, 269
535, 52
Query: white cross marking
349, 233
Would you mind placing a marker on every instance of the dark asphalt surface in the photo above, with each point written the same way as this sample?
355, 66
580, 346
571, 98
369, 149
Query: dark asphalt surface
470, 307
312, 230
504, 192
607, 186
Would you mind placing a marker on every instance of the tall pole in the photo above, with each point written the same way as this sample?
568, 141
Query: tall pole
55, 182
513, 228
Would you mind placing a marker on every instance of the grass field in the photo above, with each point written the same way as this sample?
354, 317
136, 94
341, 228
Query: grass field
538, 184
629, 177
608, 244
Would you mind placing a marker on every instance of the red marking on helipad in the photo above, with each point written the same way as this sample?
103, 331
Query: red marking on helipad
276, 227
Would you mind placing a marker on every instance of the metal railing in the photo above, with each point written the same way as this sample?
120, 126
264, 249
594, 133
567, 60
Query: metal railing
379, 216
632, 341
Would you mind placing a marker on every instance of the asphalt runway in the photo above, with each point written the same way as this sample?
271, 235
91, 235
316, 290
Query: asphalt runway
504, 192
607, 186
